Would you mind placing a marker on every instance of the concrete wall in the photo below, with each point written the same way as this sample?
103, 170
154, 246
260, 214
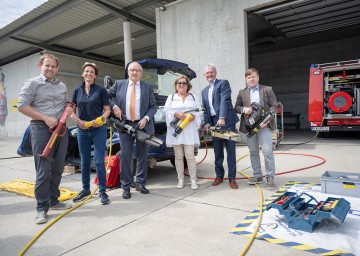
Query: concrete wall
199, 32
17, 72
287, 71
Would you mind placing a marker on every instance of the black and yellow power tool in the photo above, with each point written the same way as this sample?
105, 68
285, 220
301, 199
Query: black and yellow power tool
257, 116
179, 125
135, 132
221, 132
99, 120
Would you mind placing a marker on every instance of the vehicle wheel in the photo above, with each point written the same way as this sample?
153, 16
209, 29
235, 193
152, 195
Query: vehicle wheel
320, 135
172, 161
132, 164
115, 148
185, 163
328, 134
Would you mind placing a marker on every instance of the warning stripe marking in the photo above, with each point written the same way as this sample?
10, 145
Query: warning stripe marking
241, 228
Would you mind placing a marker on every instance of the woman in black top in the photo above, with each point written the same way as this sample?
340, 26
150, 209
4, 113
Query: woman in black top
91, 101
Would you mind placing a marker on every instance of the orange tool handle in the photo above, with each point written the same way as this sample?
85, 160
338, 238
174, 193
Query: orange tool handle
56, 133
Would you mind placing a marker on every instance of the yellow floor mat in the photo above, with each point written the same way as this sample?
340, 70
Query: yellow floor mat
27, 188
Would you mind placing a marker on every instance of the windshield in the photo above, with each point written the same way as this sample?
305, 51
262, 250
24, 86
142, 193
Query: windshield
159, 117
163, 84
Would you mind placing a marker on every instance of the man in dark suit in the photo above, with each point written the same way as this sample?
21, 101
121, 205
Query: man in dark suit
136, 100
264, 95
216, 99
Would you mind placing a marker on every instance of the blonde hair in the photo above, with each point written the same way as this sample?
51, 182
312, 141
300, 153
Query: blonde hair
251, 70
48, 56
189, 86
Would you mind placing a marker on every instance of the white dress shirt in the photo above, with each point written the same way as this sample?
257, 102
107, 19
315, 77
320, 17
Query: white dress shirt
137, 100
210, 96
254, 94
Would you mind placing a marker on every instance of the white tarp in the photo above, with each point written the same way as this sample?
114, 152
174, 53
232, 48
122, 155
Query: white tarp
330, 234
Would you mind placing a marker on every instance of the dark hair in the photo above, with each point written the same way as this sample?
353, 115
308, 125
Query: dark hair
90, 65
251, 70
189, 86
49, 56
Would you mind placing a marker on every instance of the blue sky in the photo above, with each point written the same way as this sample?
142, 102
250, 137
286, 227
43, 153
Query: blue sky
11, 10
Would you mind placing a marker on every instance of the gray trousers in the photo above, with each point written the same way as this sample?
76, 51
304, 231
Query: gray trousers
262, 139
48, 170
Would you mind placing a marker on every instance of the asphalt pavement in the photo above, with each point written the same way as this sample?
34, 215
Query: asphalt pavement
167, 221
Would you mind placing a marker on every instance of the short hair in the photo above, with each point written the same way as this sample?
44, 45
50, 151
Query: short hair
49, 56
251, 70
133, 62
189, 86
210, 65
86, 64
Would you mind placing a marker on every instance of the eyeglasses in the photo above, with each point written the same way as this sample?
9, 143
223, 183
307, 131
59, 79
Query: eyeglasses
181, 83
135, 70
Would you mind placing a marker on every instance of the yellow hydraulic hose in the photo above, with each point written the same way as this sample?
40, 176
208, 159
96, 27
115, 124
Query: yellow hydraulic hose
252, 238
243, 252
53, 222
32, 241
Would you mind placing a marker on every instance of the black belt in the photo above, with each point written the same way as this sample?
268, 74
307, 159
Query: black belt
37, 122
135, 121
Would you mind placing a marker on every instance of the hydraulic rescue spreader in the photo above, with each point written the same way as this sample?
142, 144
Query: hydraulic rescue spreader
181, 124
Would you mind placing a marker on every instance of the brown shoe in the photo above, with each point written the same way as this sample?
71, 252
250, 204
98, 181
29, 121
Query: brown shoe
217, 181
233, 184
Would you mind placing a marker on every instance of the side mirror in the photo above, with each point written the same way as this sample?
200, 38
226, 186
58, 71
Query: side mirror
108, 82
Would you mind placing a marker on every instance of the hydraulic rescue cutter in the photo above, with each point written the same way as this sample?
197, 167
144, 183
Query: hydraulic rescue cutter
135, 132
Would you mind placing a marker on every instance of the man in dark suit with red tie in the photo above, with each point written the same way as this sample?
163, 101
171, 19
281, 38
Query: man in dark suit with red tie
136, 100
216, 99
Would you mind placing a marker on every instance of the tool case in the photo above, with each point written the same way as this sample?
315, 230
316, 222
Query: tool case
304, 212
341, 183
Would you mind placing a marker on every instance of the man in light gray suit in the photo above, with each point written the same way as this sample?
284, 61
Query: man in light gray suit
254, 92
140, 115
216, 99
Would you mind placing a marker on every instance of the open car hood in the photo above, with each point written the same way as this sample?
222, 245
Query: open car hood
162, 66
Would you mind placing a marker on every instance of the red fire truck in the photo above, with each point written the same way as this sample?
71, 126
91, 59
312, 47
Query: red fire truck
334, 96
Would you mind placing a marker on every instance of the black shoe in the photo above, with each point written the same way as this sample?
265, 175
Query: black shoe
126, 194
82, 195
133, 185
104, 198
142, 189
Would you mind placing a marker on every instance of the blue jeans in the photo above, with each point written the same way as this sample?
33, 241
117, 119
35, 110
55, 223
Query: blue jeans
97, 137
